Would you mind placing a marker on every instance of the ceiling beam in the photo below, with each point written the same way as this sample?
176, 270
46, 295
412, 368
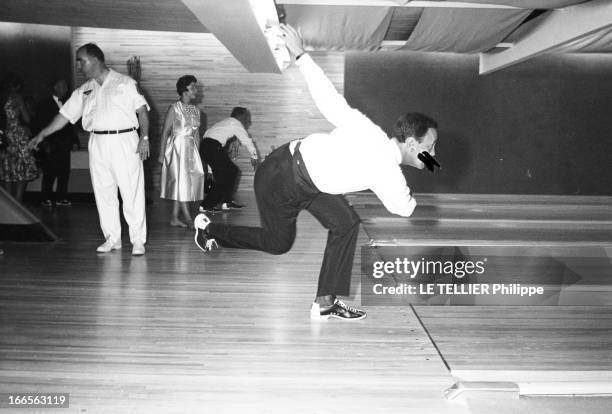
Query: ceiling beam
557, 29
396, 44
240, 27
398, 3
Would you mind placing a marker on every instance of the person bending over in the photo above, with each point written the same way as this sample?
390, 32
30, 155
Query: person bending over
214, 151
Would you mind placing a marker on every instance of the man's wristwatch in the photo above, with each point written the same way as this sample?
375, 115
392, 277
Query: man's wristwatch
145, 138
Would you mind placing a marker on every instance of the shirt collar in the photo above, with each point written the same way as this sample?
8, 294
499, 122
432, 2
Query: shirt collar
108, 79
397, 154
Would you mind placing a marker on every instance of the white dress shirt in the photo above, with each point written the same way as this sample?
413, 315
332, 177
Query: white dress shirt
357, 155
109, 106
229, 127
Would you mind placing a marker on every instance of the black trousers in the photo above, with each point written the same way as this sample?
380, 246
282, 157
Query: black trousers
283, 189
224, 171
55, 167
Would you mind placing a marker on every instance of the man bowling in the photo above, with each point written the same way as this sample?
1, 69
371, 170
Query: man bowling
312, 174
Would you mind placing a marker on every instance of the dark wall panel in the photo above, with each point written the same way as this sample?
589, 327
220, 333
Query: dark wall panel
38, 53
540, 127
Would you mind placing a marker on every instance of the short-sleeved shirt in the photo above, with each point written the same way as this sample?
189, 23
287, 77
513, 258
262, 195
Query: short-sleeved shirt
111, 105
231, 127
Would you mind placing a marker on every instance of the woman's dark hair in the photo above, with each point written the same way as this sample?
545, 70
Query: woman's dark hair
412, 124
183, 82
10, 82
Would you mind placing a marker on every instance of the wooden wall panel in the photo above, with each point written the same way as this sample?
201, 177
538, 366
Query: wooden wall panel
281, 106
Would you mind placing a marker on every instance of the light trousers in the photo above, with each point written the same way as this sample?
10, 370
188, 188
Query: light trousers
115, 164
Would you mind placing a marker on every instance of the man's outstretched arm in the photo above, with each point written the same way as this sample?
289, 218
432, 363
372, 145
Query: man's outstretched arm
55, 125
330, 103
247, 141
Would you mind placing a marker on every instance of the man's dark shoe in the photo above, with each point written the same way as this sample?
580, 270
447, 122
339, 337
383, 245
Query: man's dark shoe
47, 203
63, 203
339, 310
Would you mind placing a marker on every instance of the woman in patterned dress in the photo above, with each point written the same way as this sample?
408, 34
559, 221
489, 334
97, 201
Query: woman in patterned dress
182, 176
17, 163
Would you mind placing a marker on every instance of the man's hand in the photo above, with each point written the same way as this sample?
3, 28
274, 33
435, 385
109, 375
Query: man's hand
232, 147
293, 40
55, 125
143, 149
34, 142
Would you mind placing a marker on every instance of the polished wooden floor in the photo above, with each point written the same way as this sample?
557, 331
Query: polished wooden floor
181, 331
575, 233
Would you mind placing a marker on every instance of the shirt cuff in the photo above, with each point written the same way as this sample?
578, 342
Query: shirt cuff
143, 103
70, 119
304, 59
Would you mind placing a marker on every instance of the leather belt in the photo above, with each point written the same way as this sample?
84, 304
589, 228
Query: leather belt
114, 131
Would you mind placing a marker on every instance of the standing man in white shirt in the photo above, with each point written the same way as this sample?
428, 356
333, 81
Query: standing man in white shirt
214, 153
312, 174
112, 112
